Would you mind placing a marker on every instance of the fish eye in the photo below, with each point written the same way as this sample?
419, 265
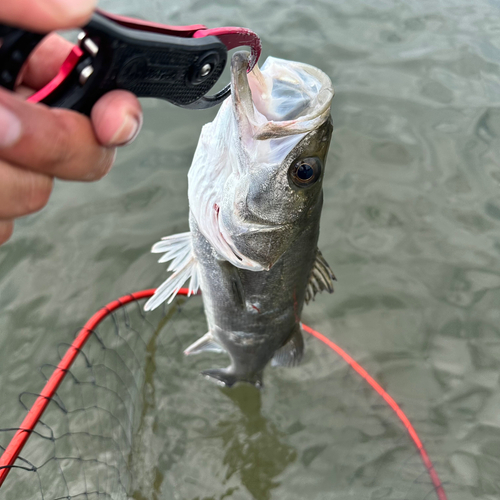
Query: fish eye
305, 172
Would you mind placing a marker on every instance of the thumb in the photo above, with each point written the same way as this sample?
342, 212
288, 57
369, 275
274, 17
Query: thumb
46, 15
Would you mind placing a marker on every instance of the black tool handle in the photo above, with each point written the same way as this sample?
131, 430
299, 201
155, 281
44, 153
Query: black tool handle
15, 47
179, 70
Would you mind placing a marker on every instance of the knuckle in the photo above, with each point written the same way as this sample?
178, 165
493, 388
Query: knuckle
6, 230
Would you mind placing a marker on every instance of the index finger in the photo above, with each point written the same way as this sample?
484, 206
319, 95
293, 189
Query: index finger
45, 61
44, 16
56, 142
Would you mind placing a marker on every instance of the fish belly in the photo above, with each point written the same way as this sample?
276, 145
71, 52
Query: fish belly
252, 315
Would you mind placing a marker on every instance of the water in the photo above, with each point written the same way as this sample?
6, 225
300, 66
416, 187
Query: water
411, 228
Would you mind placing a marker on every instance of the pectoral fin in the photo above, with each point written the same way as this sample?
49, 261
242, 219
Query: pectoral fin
178, 249
292, 352
321, 278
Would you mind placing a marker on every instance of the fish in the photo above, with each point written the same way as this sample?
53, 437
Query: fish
255, 200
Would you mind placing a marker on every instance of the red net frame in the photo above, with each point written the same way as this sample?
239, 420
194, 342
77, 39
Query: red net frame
35, 413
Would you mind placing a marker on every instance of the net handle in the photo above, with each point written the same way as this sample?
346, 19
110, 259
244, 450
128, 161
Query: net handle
20, 438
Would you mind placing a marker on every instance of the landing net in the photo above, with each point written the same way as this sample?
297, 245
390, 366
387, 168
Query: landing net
99, 428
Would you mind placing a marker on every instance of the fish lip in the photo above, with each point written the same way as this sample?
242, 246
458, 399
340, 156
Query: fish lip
244, 104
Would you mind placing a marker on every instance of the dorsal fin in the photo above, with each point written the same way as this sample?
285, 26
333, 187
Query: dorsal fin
178, 249
321, 278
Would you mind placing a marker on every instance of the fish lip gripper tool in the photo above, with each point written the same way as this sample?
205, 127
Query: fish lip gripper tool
180, 64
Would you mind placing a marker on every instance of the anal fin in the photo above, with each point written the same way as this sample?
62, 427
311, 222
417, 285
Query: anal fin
206, 343
224, 377
291, 353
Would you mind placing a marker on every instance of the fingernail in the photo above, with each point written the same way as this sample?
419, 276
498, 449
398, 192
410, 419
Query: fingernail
10, 128
129, 130
62, 9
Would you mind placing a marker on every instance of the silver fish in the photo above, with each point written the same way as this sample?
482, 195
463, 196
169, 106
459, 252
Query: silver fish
255, 197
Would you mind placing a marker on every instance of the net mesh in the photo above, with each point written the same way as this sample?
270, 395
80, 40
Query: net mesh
81, 447
133, 419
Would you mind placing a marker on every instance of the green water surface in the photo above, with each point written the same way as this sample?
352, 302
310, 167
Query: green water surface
410, 226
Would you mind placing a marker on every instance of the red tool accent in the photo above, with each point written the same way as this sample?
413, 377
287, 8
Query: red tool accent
163, 29
67, 67
233, 37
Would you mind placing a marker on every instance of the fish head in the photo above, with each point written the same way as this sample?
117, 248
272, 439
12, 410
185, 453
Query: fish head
263, 212
257, 175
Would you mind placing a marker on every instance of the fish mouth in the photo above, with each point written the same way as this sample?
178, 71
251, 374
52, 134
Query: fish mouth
285, 98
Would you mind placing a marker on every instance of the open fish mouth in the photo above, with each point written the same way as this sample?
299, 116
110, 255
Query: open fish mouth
284, 99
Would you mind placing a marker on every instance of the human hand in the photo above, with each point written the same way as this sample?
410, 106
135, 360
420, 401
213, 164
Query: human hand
38, 143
